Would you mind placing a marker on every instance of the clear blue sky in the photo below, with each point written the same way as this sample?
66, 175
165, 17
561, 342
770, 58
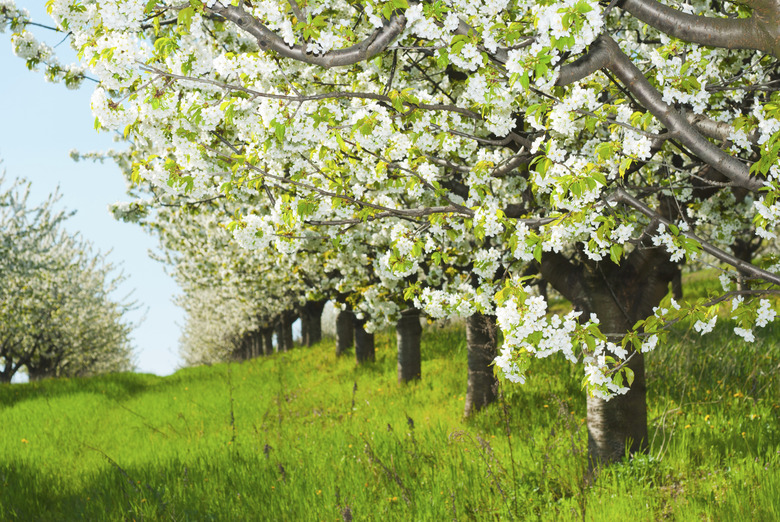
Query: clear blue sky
40, 123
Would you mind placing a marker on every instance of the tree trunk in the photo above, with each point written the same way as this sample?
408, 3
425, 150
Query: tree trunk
45, 366
408, 333
284, 336
619, 295
745, 250
619, 426
288, 318
279, 333
258, 344
311, 322
305, 327
482, 344
364, 343
240, 352
268, 340
344, 331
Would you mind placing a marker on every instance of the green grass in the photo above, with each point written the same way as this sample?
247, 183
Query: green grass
306, 436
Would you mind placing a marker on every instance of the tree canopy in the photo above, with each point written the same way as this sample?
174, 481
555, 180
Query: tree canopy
57, 315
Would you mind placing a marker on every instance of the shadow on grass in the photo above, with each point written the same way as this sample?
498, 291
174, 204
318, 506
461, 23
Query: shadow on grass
117, 386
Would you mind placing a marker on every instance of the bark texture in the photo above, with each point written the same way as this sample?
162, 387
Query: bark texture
344, 331
482, 349
619, 296
268, 340
311, 322
284, 335
288, 318
364, 343
408, 334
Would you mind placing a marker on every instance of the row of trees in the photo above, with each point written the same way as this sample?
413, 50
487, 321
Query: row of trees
402, 156
58, 317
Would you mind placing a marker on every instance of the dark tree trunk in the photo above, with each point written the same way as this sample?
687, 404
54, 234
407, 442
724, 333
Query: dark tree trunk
311, 322
482, 344
619, 296
279, 333
254, 341
344, 331
268, 340
305, 320
241, 352
619, 426
408, 333
364, 343
44, 367
258, 344
284, 336
36, 374
288, 318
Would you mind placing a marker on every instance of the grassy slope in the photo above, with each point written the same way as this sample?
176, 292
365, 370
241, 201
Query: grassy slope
280, 439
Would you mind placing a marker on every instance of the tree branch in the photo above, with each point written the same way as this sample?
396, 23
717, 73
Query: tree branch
606, 53
729, 33
376, 43
621, 196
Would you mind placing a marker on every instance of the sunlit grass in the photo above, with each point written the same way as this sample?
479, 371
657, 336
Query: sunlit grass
307, 436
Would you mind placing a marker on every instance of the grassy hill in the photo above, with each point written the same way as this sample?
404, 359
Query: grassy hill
306, 436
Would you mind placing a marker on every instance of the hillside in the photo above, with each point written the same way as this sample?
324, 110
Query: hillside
304, 436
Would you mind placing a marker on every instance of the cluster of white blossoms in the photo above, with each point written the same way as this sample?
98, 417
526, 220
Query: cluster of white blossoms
664, 238
598, 373
529, 330
26, 46
550, 23
257, 233
765, 314
704, 327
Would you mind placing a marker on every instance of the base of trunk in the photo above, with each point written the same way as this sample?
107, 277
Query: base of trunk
408, 334
344, 331
365, 349
482, 344
268, 340
618, 427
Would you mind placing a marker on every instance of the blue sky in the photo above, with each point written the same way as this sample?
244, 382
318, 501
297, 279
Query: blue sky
40, 123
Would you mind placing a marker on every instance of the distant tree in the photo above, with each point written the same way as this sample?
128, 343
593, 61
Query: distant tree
57, 313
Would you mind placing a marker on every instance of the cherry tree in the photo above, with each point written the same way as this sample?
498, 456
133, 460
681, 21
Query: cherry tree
604, 144
57, 315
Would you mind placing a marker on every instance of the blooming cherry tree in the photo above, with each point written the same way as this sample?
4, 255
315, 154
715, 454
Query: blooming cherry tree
605, 144
57, 315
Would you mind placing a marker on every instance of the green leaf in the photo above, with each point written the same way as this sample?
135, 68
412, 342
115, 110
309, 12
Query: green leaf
629, 375
524, 81
184, 19
615, 251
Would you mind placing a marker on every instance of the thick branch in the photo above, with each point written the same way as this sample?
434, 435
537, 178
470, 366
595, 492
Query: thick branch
563, 275
377, 42
606, 53
729, 33
715, 129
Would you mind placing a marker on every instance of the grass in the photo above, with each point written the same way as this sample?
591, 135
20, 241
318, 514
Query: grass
306, 436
